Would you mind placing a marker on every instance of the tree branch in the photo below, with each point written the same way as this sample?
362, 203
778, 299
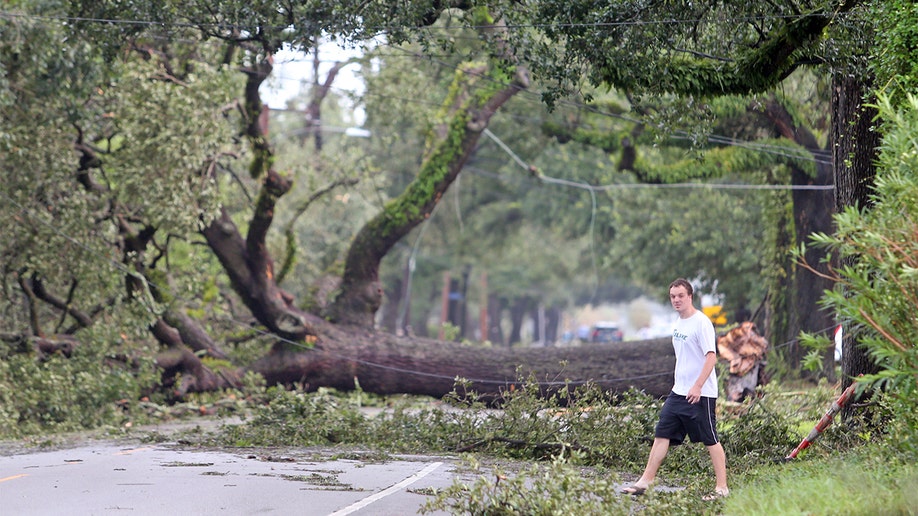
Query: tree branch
469, 111
66, 307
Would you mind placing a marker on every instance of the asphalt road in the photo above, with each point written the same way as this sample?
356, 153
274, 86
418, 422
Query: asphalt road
110, 478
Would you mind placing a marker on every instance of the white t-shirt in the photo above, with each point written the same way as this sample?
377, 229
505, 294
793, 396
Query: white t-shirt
693, 338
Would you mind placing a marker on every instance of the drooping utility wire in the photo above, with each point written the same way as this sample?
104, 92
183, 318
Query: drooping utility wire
679, 134
529, 169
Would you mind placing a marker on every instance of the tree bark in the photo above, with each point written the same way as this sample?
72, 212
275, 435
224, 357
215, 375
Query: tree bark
856, 147
192, 334
63, 344
247, 261
253, 279
184, 372
384, 363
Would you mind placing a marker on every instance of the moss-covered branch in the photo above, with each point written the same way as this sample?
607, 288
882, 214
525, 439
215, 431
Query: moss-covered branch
724, 161
477, 91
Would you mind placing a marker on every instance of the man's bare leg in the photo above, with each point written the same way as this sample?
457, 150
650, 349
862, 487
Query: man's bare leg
654, 461
719, 461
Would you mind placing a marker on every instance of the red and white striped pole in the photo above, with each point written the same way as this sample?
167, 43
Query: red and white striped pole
824, 422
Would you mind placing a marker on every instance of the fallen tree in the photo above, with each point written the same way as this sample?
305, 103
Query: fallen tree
347, 357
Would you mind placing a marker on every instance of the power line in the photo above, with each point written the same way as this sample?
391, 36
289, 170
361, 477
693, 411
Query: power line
776, 150
818, 156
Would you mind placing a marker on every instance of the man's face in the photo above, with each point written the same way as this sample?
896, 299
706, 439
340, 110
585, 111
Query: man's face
680, 299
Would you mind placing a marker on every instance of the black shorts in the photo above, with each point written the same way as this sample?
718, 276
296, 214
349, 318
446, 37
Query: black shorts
680, 418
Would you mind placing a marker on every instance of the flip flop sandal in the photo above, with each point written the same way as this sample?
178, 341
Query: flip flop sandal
634, 490
715, 496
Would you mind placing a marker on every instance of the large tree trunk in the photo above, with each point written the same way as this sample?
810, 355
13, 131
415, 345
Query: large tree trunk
251, 272
247, 261
856, 147
384, 363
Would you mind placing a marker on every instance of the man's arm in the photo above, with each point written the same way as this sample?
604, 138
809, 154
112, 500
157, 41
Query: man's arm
694, 394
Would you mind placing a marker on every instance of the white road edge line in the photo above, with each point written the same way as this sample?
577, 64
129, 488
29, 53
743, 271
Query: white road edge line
356, 506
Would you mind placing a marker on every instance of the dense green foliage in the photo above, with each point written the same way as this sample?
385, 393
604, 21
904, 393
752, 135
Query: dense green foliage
92, 389
716, 235
699, 48
895, 62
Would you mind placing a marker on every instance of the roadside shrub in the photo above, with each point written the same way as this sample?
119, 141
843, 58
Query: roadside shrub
61, 394
772, 424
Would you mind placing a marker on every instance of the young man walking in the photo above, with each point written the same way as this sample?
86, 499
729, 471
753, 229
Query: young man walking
689, 408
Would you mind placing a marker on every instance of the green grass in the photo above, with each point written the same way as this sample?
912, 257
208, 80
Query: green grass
859, 482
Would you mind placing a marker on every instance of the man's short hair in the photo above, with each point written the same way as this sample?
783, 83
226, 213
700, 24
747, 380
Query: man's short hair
681, 282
